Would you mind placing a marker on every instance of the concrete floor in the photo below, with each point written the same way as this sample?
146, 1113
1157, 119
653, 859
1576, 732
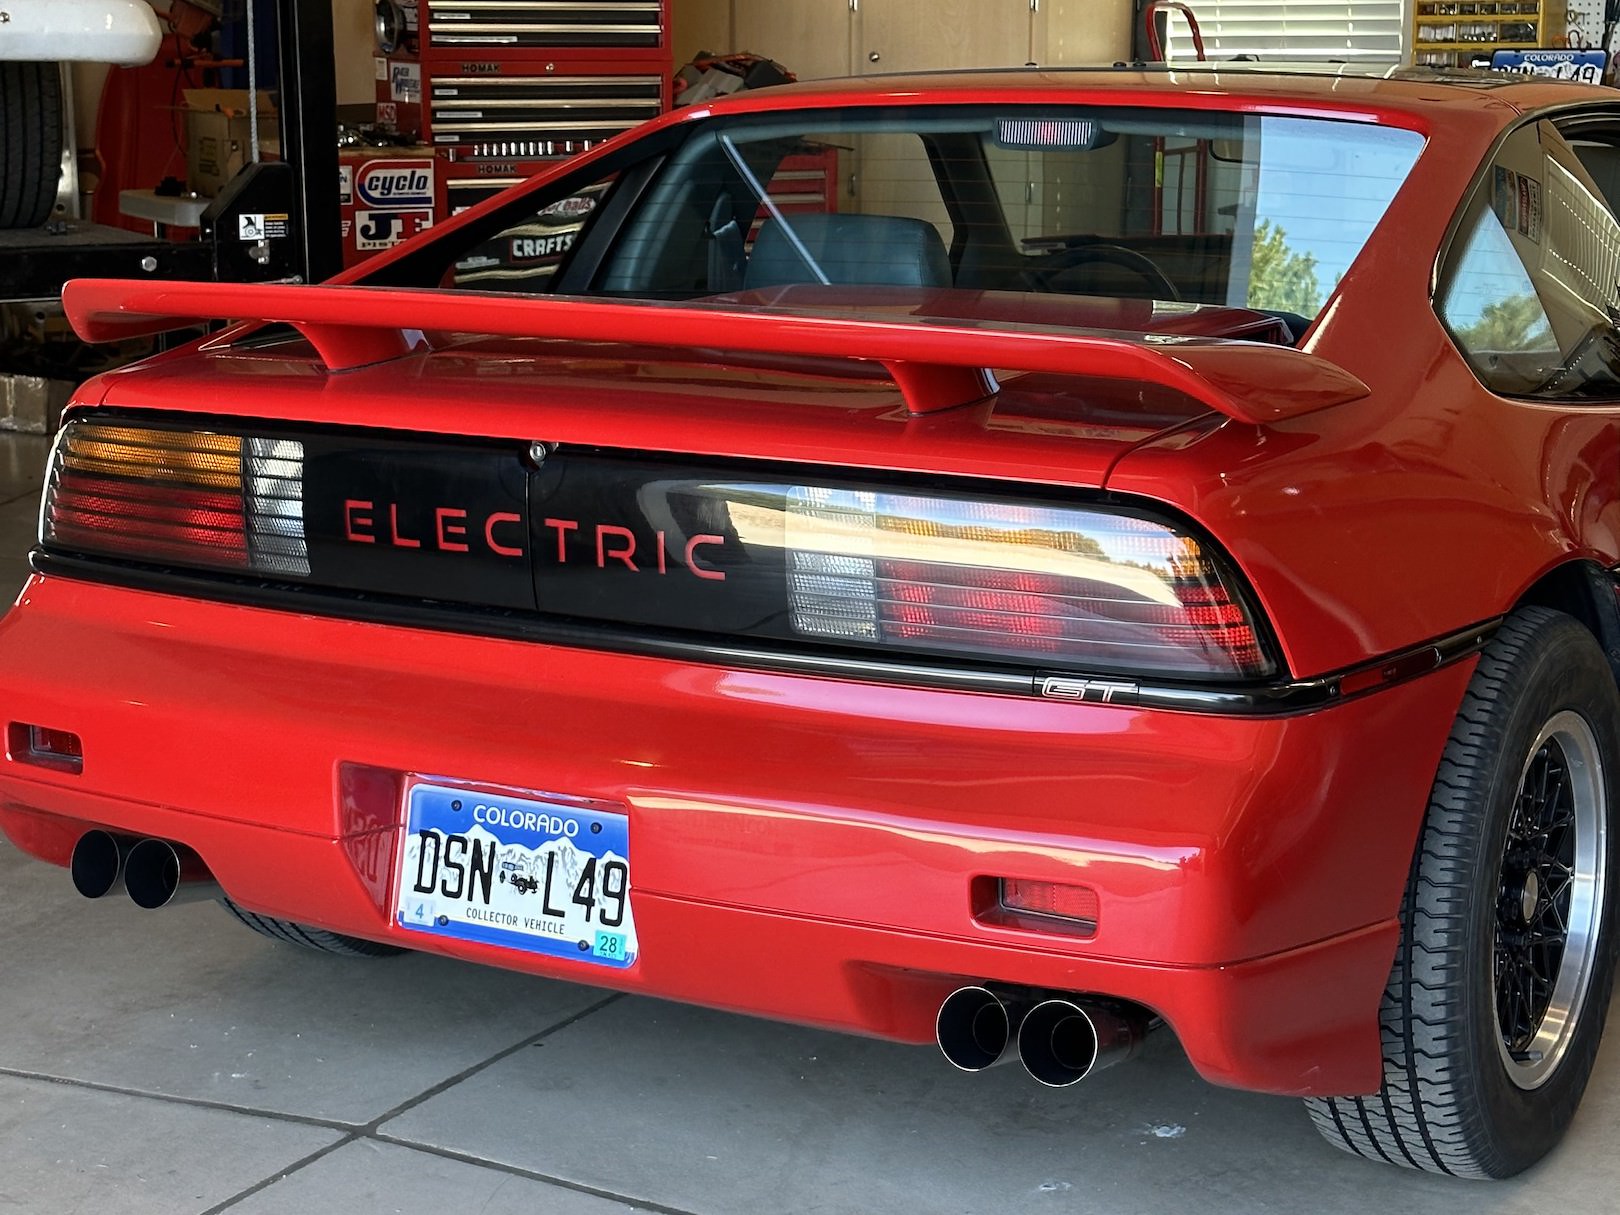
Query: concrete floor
175, 1062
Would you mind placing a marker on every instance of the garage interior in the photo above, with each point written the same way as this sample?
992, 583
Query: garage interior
177, 1063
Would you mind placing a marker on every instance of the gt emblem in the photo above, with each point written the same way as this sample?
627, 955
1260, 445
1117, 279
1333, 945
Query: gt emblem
1094, 691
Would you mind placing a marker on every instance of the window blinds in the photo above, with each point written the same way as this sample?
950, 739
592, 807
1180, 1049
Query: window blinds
1283, 31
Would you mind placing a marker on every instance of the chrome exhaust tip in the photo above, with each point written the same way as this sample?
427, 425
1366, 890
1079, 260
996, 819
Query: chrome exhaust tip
160, 874
977, 1027
1061, 1042
98, 862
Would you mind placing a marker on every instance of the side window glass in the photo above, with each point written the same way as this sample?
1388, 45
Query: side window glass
1530, 288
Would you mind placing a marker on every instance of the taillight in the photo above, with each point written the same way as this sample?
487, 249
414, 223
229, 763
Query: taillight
1053, 588
1066, 586
177, 496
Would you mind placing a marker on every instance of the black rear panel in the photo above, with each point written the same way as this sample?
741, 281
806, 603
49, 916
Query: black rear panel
643, 541
403, 517
608, 538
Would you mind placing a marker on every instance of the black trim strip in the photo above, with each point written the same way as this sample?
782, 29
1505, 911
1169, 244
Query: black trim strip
1273, 700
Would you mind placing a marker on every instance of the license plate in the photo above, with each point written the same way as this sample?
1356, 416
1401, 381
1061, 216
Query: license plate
520, 871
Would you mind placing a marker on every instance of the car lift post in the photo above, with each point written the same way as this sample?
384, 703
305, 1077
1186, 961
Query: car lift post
308, 105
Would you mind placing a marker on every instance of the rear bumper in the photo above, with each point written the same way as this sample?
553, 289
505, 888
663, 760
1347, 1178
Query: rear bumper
800, 848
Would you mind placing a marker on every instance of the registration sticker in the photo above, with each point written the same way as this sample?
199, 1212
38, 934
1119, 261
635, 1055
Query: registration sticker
521, 871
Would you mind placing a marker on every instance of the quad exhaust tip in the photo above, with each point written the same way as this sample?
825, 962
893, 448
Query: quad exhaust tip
161, 874
155, 873
98, 863
977, 1027
1062, 1041
1059, 1040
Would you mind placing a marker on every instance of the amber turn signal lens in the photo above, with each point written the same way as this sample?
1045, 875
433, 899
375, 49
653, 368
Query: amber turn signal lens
182, 458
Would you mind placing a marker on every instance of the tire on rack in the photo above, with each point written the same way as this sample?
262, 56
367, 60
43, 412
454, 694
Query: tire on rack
30, 142
318, 939
1496, 1003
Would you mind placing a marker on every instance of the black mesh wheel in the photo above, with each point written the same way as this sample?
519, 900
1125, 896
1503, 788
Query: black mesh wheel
1495, 1006
30, 142
317, 939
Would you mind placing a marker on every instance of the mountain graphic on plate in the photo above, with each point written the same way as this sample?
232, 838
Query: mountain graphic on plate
519, 870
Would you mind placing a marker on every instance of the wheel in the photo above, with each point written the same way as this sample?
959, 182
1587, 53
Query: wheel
1047, 275
317, 939
30, 142
1495, 1006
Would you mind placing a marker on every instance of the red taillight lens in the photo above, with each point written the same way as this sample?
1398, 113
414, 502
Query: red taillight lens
178, 496
1071, 586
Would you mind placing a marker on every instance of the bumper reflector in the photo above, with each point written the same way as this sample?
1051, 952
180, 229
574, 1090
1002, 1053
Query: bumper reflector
44, 747
1078, 903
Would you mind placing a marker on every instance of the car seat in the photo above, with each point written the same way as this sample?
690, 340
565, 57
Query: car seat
888, 250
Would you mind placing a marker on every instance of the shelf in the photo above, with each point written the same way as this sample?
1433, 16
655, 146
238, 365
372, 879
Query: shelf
1419, 48
1546, 21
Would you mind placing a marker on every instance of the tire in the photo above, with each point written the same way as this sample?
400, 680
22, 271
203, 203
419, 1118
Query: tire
30, 142
317, 939
1535, 750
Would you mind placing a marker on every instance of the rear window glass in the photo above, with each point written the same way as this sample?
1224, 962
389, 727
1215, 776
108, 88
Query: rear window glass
1258, 211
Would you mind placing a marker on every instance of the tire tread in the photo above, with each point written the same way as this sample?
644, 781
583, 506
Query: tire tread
317, 939
30, 142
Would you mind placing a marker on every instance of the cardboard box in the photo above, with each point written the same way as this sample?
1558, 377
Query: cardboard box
32, 404
218, 136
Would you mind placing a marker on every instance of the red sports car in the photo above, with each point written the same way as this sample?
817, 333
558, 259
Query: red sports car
1010, 559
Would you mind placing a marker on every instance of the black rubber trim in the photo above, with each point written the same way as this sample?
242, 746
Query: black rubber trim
1272, 700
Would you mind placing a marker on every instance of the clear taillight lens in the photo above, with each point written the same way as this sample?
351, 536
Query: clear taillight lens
1070, 586
172, 495
273, 487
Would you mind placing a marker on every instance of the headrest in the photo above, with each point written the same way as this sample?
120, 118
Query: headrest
890, 250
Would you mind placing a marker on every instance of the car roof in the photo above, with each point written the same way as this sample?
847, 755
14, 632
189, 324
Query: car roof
1411, 90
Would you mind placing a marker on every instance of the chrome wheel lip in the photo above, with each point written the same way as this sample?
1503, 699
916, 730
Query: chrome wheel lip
1588, 894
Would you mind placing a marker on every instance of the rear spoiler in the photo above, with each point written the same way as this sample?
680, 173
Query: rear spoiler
936, 364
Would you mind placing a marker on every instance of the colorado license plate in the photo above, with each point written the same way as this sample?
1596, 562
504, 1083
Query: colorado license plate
517, 871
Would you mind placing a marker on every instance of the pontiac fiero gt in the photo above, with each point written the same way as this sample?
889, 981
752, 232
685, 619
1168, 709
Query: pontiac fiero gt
1019, 560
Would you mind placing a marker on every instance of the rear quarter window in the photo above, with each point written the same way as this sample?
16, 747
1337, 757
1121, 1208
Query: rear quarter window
1530, 286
